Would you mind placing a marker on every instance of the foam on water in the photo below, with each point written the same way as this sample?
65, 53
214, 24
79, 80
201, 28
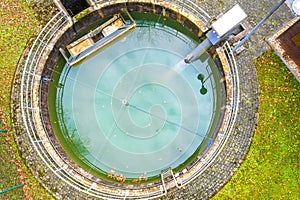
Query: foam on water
180, 66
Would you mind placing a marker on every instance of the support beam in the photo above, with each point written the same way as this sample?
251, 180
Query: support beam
31, 108
40, 141
62, 168
32, 74
46, 45
63, 53
91, 187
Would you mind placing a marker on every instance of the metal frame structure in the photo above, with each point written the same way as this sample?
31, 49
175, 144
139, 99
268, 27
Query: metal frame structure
32, 118
96, 47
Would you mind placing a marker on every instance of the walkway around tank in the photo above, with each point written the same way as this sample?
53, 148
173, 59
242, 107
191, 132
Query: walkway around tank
206, 186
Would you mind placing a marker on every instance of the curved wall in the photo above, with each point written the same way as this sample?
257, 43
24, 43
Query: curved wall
58, 174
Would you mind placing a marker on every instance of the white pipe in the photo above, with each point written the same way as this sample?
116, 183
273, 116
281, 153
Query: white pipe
198, 51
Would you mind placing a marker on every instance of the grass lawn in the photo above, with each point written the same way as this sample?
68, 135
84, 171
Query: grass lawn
271, 169
18, 24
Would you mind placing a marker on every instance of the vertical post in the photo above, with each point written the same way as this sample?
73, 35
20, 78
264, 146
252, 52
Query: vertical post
64, 10
182, 6
92, 3
64, 55
256, 27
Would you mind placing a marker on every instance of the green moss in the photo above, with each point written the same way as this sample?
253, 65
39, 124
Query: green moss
82, 14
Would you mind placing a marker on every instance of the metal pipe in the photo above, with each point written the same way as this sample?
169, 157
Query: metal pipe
256, 27
182, 5
198, 51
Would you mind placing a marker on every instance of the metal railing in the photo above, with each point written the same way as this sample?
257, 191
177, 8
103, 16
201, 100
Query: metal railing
232, 107
192, 7
28, 98
31, 105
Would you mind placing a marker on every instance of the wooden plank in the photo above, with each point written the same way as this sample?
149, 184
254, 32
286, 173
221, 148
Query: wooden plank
113, 27
76, 49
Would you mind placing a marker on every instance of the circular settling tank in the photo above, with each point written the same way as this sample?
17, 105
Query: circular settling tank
133, 121
136, 108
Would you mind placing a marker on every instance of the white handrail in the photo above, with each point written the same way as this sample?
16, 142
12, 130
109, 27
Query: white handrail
29, 78
187, 5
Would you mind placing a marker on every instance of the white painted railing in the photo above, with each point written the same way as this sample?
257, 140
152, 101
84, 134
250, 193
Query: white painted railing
30, 75
192, 7
231, 111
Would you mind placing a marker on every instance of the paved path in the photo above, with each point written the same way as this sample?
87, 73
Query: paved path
256, 11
